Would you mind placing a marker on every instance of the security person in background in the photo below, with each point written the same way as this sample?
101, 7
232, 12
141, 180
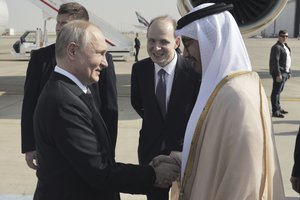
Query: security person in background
280, 64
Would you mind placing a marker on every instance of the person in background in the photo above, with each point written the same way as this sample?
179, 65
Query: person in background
40, 68
164, 87
229, 151
74, 152
137, 46
280, 64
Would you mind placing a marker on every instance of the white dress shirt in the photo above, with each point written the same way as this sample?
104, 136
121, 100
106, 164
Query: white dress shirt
288, 58
72, 77
169, 76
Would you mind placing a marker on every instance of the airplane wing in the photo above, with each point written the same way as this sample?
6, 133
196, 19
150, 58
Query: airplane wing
141, 19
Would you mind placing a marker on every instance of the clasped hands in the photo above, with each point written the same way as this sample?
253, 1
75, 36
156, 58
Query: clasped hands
167, 169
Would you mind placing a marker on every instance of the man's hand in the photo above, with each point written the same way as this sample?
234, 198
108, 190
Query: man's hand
173, 158
176, 155
295, 183
30, 158
166, 169
279, 78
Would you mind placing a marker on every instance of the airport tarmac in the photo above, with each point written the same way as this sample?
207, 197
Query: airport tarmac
18, 181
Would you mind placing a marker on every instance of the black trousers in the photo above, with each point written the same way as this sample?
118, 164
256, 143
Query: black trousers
276, 90
137, 50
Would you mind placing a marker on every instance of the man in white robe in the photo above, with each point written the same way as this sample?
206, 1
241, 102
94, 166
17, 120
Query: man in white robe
229, 151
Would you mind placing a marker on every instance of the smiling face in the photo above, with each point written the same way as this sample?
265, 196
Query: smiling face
90, 58
161, 42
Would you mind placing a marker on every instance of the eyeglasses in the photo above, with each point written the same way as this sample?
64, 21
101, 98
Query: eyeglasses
186, 42
284, 36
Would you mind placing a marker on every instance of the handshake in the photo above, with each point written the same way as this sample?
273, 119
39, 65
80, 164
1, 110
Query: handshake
167, 169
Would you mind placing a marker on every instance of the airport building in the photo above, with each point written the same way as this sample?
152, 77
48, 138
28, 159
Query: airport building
289, 20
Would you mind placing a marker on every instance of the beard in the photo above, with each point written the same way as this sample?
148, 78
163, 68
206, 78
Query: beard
196, 65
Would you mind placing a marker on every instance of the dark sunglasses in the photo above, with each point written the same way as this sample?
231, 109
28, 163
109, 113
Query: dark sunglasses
284, 36
186, 41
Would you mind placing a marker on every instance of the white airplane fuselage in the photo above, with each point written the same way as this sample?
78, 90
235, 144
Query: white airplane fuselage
3, 16
118, 44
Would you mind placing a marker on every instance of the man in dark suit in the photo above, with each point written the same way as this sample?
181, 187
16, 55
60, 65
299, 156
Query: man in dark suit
74, 152
164, 122
137, 46
41, 66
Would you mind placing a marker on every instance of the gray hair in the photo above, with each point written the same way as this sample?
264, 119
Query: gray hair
74, 31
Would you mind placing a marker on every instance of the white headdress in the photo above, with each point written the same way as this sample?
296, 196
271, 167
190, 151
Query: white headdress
222, 52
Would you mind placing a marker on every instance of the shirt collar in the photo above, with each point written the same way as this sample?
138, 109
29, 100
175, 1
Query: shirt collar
72, 77
169, 68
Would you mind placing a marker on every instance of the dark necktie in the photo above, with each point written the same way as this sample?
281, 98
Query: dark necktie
161, 91
91, 100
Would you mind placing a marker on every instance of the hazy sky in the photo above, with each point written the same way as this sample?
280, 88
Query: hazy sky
23, 15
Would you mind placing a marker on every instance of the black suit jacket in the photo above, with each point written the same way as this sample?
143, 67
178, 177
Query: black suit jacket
296, 167
40, 68
155, 129
74, 152
277, 62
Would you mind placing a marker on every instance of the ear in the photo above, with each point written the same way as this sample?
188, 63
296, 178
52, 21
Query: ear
177, 42
72, 49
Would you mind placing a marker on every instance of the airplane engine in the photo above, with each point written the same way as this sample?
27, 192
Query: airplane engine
250, 15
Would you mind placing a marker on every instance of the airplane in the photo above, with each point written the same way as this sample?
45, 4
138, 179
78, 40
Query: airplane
143, 23
3, 16
119, 45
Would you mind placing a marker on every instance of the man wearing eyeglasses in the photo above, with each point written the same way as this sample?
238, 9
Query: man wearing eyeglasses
228, 140
280, 63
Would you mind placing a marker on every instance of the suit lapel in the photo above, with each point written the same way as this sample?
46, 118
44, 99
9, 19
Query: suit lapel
150, 79
98, 122
176, 86
100, 126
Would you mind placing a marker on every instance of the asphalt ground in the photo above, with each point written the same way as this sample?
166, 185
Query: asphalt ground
17, 181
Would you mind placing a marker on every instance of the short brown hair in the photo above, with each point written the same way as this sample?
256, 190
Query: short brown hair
75, 10
282, 32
